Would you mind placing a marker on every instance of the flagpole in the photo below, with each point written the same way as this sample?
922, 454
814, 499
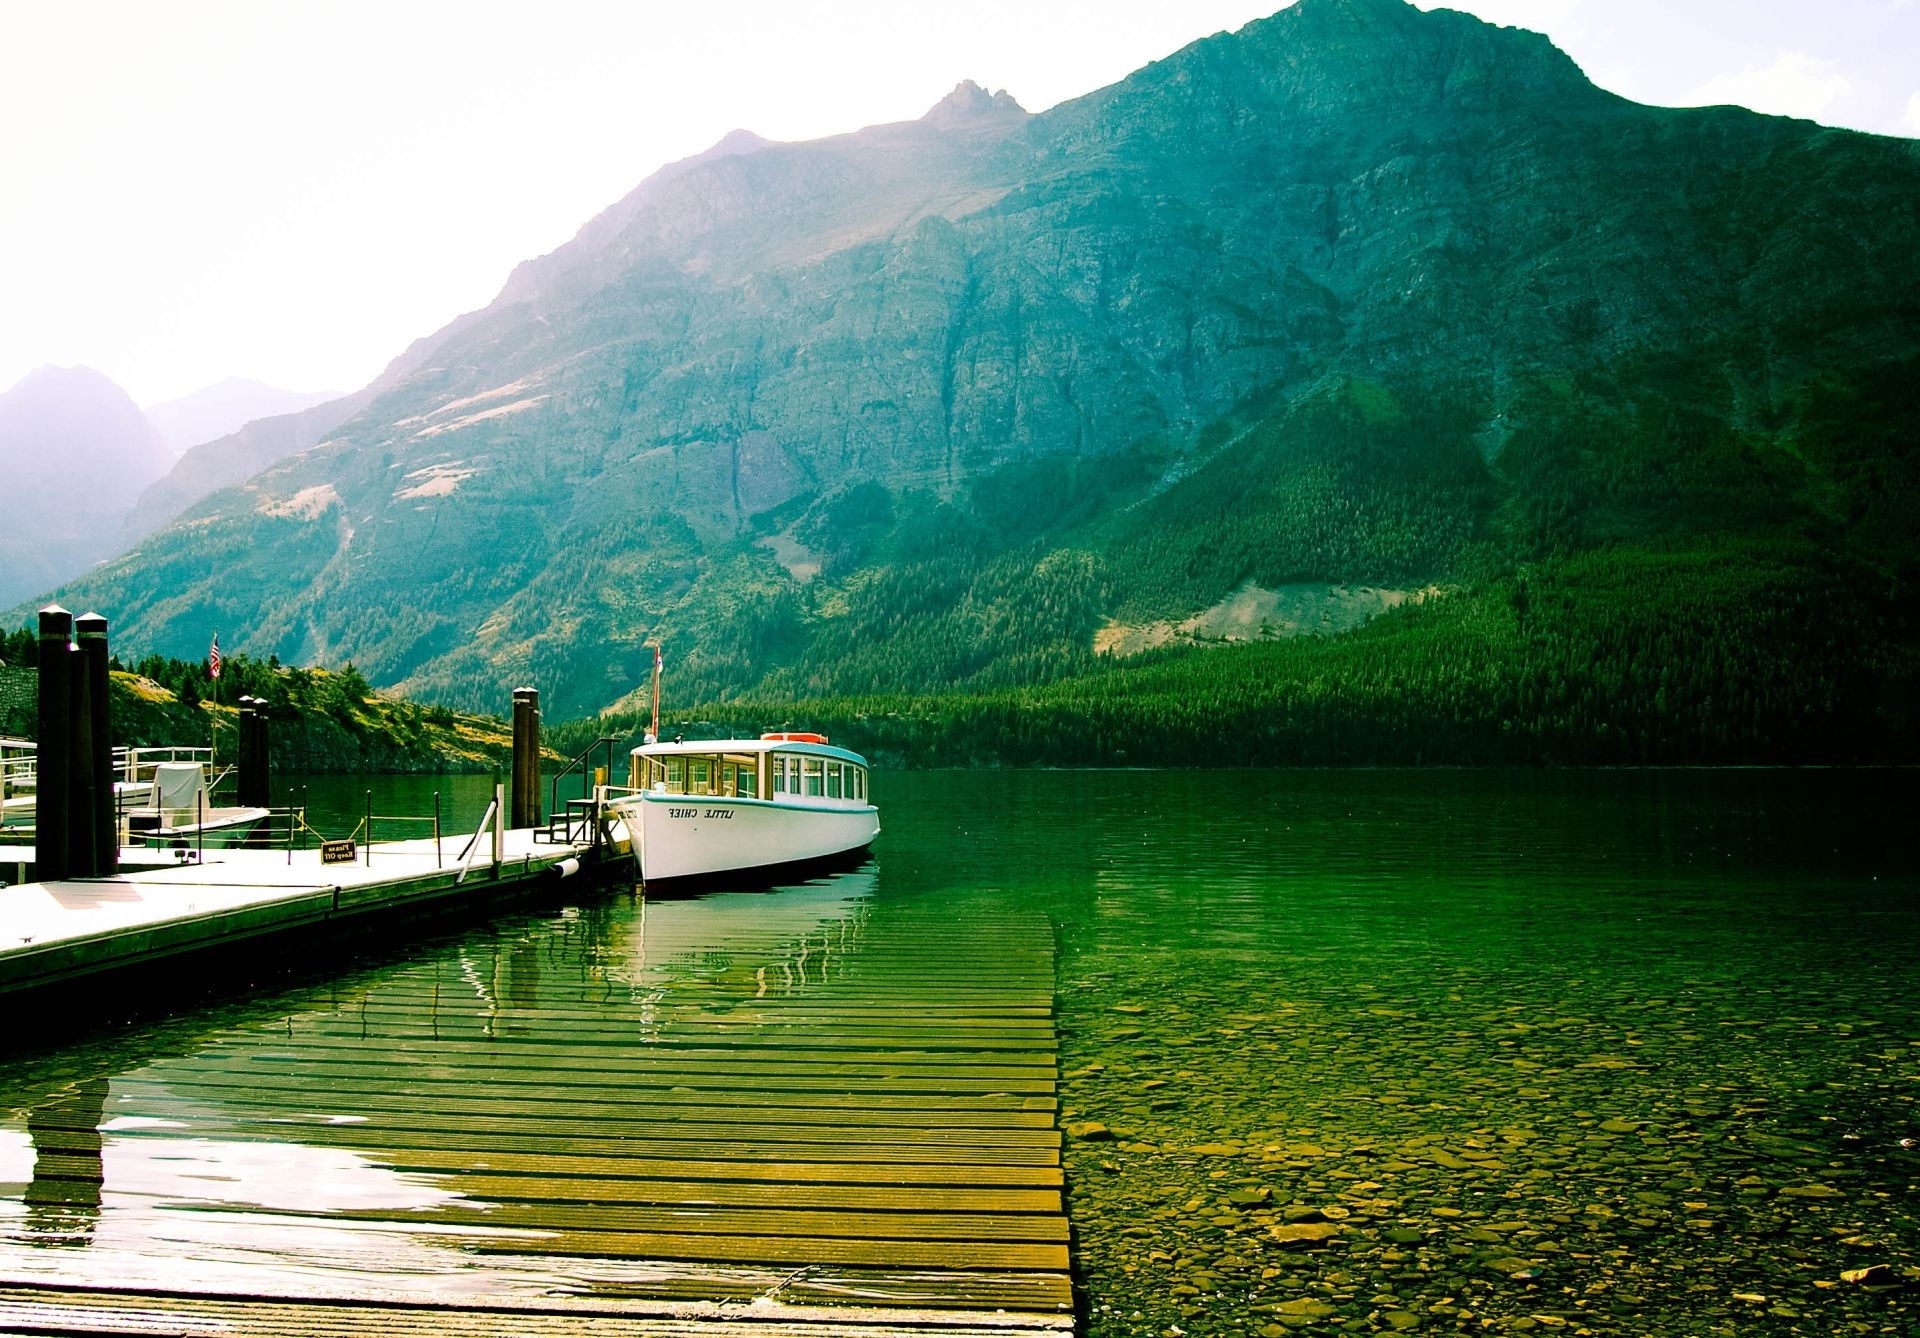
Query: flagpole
213, 721
656, 692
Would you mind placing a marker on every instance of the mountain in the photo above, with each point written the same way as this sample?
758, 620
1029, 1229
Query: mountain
74, 454
259, 443
226, 407
1359, 308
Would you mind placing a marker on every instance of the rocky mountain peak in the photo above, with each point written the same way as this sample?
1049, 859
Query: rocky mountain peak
969, 104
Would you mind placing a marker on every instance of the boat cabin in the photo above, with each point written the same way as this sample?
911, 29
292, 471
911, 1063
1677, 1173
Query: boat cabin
750, 769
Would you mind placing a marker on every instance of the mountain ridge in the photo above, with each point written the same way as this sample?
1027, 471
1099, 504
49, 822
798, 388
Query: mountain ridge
74, 452
1355, 294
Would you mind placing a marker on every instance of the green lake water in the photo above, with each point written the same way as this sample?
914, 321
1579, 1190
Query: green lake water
1615, 1053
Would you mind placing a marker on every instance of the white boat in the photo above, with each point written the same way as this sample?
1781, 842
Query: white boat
178, 809
696, 809
161, 796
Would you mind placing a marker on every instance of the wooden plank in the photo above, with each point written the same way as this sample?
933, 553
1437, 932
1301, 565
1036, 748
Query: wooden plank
169, 1180
27, 1309
759, 1146
636, 1169
560, 1114
375, 1051
456, 1094
996, 1223
907, 1080
784, 1250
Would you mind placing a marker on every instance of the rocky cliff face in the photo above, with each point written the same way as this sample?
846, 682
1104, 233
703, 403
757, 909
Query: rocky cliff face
646, 429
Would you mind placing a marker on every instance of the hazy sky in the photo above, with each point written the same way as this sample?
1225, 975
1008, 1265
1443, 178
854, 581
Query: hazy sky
196, 190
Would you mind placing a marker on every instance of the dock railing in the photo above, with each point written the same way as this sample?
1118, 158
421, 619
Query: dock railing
606, 744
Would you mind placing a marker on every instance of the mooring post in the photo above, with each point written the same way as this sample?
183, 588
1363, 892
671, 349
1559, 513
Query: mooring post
524, 782
103, 818
80, 854
255, 784
499, 823
533, 756
262, 755
243, 749
52, 772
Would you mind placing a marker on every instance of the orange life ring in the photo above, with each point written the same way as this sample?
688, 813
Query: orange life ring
793, 738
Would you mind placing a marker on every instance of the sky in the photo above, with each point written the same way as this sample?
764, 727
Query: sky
293, 192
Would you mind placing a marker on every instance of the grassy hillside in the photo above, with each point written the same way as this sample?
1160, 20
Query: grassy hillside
321, 720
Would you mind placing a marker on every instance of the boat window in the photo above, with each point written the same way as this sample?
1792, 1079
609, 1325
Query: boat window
860, 783
699, 774
779, 769
793, 774
813, 775
676, 775
749, 783
833, 780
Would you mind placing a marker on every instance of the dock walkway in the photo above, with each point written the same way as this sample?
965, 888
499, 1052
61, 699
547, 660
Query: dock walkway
60, 931
785, 1113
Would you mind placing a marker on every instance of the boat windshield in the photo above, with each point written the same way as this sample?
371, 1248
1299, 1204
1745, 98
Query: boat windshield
718, 775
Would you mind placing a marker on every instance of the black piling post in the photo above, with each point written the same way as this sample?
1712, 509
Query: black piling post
255, 784
262, 756
103, 818
80, 854
533, 757
243, 748
51, 770
436, 829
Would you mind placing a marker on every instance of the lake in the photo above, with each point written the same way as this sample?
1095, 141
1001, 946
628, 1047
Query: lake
1603, 1052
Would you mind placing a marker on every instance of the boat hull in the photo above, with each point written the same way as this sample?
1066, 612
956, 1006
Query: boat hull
681, 836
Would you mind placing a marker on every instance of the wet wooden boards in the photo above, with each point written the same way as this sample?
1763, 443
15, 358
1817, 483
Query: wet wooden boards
795, 1117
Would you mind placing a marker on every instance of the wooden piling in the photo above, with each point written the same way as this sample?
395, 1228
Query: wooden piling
255, 775
101, 823
52, 772
80, 787
262, 758
524, 809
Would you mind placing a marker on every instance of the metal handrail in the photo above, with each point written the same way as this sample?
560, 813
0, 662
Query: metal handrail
473, 843
579, 763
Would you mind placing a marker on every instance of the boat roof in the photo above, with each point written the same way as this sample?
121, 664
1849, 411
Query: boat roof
704, 746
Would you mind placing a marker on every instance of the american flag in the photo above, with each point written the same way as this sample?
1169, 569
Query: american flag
213, 658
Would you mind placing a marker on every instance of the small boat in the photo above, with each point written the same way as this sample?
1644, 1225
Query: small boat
161, 796
761, 807
179, 810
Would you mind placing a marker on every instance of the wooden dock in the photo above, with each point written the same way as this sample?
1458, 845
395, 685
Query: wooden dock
57, 932
753, 1114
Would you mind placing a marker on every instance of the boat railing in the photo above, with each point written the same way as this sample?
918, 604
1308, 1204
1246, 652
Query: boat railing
19, 765
136, 766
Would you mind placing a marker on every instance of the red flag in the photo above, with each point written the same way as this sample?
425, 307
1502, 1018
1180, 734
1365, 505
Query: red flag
213, 658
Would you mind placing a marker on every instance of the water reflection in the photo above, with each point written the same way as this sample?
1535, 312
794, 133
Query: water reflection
63, 1200
377, 1130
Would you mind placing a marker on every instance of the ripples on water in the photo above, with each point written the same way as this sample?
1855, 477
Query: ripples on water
1454, 1051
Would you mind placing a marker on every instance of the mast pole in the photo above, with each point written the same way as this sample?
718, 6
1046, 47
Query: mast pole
655, 731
